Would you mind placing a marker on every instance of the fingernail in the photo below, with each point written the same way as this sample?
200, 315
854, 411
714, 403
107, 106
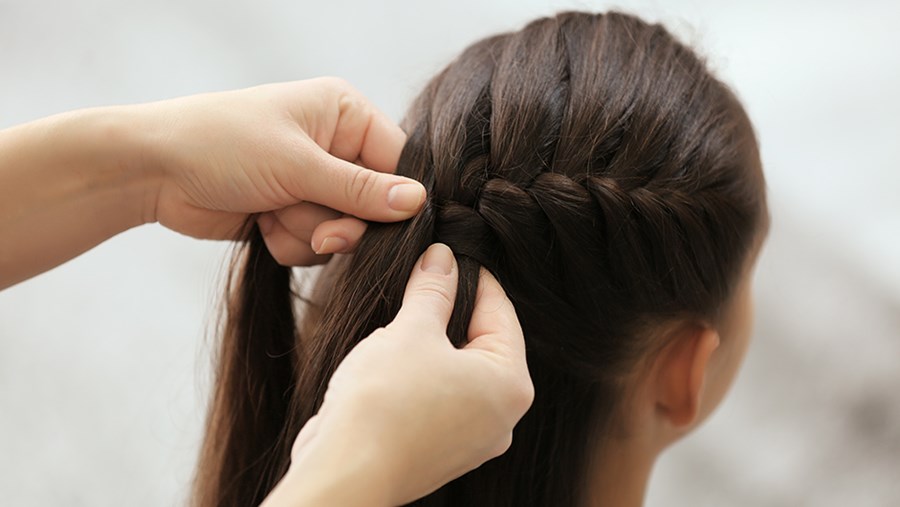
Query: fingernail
265, 222
406, 197
438, 259
332, 244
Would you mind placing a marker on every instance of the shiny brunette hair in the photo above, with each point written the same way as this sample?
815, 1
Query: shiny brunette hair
598, 169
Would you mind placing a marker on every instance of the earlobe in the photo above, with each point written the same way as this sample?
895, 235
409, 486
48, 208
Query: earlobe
682, 370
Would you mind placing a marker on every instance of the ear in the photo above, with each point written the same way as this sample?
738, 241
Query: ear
680, 373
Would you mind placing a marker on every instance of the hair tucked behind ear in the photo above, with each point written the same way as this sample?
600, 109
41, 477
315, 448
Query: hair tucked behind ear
597, 169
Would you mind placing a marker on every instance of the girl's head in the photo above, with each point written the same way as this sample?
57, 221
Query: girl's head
610, 183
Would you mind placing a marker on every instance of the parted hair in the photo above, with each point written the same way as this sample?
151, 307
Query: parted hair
597, 168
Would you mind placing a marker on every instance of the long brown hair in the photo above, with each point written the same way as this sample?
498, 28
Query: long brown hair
595, 166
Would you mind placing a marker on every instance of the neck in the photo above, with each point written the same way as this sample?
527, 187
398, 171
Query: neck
619, 473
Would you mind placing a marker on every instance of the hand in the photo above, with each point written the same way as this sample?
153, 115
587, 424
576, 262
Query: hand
202, 165
288, 151
406, 412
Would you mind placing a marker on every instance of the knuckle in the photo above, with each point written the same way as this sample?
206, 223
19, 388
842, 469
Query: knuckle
331, 85
502, 445
353, 239
287, 255
276, 251
523, 396
434, 290
359, 185
349, 100
337, 83
281, 258
519, 397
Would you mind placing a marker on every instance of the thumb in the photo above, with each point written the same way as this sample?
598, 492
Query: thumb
494, 326
306, 435
431, 290
361, 192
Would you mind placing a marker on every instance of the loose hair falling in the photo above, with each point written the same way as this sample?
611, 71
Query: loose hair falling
597, 168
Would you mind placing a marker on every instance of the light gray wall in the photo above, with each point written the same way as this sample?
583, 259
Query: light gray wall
103, 360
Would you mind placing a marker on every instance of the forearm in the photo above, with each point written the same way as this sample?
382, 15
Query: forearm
67, 183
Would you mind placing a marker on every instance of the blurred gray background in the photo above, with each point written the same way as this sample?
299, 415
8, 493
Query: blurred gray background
103, 361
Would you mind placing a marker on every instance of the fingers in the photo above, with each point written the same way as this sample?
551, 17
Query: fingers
364, 133
431, 290
304, 234
358, 191
307, 433
494, 325
337, 236
302, 219
349, 129
495, 329
286, 247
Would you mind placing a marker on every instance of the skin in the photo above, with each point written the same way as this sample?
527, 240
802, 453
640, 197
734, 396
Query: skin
357, 429
307, 160
200, 166
671, 393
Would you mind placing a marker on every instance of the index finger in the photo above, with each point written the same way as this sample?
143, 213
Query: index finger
364, 134
494, 326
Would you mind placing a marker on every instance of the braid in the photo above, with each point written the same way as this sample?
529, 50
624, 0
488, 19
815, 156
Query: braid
556, 222
610, 183
598, 170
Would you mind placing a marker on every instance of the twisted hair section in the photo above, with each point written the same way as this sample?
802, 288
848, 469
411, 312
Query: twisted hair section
607, 179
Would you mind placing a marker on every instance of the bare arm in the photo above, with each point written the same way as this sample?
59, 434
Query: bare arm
67, 183
308, 158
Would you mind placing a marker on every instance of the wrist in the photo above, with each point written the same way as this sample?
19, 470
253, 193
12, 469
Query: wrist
124, 133
336, 471
110, 151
